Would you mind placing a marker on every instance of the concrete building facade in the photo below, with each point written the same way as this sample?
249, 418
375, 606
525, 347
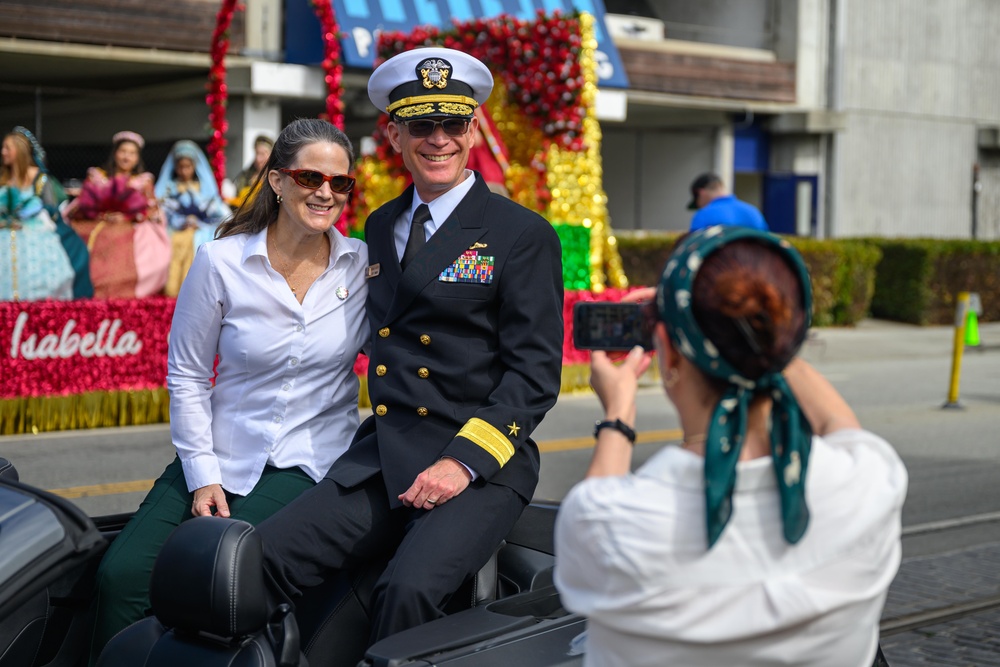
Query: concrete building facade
838, 118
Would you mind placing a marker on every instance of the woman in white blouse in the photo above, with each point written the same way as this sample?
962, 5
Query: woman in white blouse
266, 329
770, 536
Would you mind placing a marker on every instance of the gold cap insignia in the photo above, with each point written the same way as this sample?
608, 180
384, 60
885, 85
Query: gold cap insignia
434, 73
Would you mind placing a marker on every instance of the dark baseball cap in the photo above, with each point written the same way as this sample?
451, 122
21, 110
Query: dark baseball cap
703, 181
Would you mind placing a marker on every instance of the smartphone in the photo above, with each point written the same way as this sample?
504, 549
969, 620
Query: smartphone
610, 325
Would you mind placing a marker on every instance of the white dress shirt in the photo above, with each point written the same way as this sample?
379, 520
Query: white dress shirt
632, 556
286, 393
440, 209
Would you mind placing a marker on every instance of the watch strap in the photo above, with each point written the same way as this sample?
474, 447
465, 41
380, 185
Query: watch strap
617, 425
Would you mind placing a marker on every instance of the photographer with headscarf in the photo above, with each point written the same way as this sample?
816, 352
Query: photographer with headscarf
771, 534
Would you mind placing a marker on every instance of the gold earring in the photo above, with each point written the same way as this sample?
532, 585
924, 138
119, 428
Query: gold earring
671, 379
279, 199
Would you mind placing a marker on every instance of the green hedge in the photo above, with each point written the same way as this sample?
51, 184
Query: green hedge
842, 272
918, 280
906, 280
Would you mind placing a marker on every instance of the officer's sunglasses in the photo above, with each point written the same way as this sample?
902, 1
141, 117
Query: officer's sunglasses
453, 127
314, 180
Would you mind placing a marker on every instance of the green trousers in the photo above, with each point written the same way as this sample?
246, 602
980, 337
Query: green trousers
122, 596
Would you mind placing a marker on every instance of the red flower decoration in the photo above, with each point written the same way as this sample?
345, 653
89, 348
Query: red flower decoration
538, 61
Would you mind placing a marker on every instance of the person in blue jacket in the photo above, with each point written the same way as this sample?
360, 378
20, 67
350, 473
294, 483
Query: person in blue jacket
715, 206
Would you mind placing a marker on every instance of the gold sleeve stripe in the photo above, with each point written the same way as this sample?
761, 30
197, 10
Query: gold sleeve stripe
489, 438
406, 101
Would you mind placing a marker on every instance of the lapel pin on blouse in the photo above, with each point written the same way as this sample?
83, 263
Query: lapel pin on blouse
341, 292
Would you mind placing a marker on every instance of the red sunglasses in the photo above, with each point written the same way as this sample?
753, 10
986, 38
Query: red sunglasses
314, 180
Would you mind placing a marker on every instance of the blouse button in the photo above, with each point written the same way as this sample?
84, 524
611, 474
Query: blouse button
293, 361
422, 412
286, 387
381, 410
298, 327
423, 372
384, 332
380, 370
425, 339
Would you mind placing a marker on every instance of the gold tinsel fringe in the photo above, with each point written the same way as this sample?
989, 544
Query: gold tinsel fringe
101, 409
575, 378
89, 410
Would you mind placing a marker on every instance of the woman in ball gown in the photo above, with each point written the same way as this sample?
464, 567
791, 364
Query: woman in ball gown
118, 216
34, 264
192, 205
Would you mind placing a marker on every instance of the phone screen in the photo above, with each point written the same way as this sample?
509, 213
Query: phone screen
608, 325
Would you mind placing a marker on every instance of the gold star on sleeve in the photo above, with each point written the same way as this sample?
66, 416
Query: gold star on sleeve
514, 428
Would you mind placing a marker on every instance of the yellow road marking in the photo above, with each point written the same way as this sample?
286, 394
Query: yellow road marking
588, 442
562, 445
104, 489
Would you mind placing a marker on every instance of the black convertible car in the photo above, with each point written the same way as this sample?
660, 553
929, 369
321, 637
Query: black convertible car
209, 607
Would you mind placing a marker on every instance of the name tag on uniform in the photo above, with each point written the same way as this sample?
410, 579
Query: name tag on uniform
373, 270
470, 267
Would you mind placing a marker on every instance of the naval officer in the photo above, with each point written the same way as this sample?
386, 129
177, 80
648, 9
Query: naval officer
465, 297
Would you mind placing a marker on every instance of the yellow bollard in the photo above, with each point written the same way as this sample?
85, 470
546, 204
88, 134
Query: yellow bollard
961, 312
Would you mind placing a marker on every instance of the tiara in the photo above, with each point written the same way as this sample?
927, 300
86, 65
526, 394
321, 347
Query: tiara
127, 135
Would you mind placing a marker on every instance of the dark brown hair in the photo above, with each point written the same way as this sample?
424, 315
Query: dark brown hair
748, 302
111, 168
260, 208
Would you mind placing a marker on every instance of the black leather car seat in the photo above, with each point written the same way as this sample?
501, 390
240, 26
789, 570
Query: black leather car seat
335, 618
8, 471
210, 605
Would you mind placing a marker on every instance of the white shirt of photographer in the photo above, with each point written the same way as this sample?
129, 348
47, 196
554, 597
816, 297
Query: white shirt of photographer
286, 392
632, 556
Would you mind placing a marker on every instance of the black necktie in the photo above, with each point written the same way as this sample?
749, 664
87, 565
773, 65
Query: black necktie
416, 239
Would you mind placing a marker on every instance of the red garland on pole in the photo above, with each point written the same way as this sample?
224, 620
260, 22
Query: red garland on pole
218, 93
332, 68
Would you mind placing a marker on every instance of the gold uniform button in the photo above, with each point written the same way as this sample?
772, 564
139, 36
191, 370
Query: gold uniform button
381, 410
425, 339
380, 370
423, 372
422, 412
384, 332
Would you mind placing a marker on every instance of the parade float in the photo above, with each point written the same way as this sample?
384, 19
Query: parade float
98, 363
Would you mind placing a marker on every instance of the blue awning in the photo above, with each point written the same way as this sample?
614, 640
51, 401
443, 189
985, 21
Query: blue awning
361, 20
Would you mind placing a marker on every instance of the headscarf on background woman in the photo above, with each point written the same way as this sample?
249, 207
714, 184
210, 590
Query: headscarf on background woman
34, 264
191, 202
118, 216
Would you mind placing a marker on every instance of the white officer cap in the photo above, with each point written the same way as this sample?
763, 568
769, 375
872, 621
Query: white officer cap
430, 82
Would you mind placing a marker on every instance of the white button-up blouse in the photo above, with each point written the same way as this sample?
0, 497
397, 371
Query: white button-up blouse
285, 394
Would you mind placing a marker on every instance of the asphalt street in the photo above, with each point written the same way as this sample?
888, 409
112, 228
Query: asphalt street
895, 376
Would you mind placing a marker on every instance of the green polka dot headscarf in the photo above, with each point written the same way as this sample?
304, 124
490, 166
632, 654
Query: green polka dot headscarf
790, 431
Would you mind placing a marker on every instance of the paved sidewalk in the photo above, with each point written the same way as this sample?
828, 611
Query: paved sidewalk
926, 583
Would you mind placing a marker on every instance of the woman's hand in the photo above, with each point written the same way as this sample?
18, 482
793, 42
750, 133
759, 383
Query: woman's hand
616, 385
208, 497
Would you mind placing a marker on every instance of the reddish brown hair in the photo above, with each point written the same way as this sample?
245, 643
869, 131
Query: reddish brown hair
748, 302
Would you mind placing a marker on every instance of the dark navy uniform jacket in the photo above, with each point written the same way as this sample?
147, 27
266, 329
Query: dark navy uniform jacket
466, 347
